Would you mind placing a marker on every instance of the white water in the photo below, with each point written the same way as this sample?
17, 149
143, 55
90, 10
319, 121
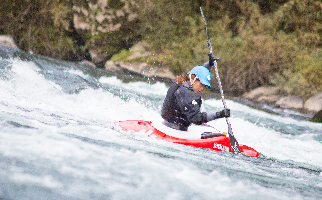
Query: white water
300, 148
58, 141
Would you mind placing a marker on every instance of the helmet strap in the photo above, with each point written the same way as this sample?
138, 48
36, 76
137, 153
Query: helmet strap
193, 81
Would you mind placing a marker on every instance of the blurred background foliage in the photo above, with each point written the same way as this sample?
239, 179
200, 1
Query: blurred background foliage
259, 42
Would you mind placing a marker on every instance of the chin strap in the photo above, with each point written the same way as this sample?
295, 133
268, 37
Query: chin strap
193, 79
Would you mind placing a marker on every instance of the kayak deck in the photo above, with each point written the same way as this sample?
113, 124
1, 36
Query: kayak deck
217, 143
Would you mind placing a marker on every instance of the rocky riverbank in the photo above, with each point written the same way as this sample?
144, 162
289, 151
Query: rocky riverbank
272, 95
265, 94
140, 51
7, 41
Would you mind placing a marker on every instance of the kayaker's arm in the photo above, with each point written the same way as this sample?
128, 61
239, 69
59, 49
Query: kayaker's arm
215, 115
199, 118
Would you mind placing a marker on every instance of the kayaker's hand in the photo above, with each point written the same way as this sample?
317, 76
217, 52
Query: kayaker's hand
225, 113
212, 59
216, 115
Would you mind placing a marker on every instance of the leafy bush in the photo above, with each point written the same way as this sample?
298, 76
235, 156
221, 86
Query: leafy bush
303, 77
38, 26
304, 18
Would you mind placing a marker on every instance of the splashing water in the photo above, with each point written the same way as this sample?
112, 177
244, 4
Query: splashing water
58, 141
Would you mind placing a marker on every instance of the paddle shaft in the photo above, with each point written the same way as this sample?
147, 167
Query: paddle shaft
233, 142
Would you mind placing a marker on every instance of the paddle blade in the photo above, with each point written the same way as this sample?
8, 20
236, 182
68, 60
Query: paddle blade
234, 145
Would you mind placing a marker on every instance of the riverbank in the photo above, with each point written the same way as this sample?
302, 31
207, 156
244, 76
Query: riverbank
273, 95
258, 96
265, 95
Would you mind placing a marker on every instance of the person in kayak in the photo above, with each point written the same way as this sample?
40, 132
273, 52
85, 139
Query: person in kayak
181, 106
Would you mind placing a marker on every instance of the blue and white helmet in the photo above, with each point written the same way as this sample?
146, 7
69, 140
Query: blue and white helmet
203, 74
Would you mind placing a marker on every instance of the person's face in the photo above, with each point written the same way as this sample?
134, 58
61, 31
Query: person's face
198, 87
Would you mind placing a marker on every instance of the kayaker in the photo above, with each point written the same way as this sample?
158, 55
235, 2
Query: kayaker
181, 106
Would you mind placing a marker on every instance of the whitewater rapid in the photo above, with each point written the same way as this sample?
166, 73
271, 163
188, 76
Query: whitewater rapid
58, 140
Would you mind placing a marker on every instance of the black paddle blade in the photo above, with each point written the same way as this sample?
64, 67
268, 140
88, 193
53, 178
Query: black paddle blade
235, 149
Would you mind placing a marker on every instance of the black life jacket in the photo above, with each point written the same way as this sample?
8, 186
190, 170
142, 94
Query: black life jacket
182, 107
170, 110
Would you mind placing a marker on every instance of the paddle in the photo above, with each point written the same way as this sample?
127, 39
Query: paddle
233, 142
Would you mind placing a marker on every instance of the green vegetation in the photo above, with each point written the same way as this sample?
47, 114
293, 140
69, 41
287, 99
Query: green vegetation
317, 117
38, 26
302, 77
259, 42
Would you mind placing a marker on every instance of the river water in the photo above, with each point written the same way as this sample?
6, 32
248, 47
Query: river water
58, 141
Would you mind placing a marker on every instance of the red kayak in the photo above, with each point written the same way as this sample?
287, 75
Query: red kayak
196, 136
